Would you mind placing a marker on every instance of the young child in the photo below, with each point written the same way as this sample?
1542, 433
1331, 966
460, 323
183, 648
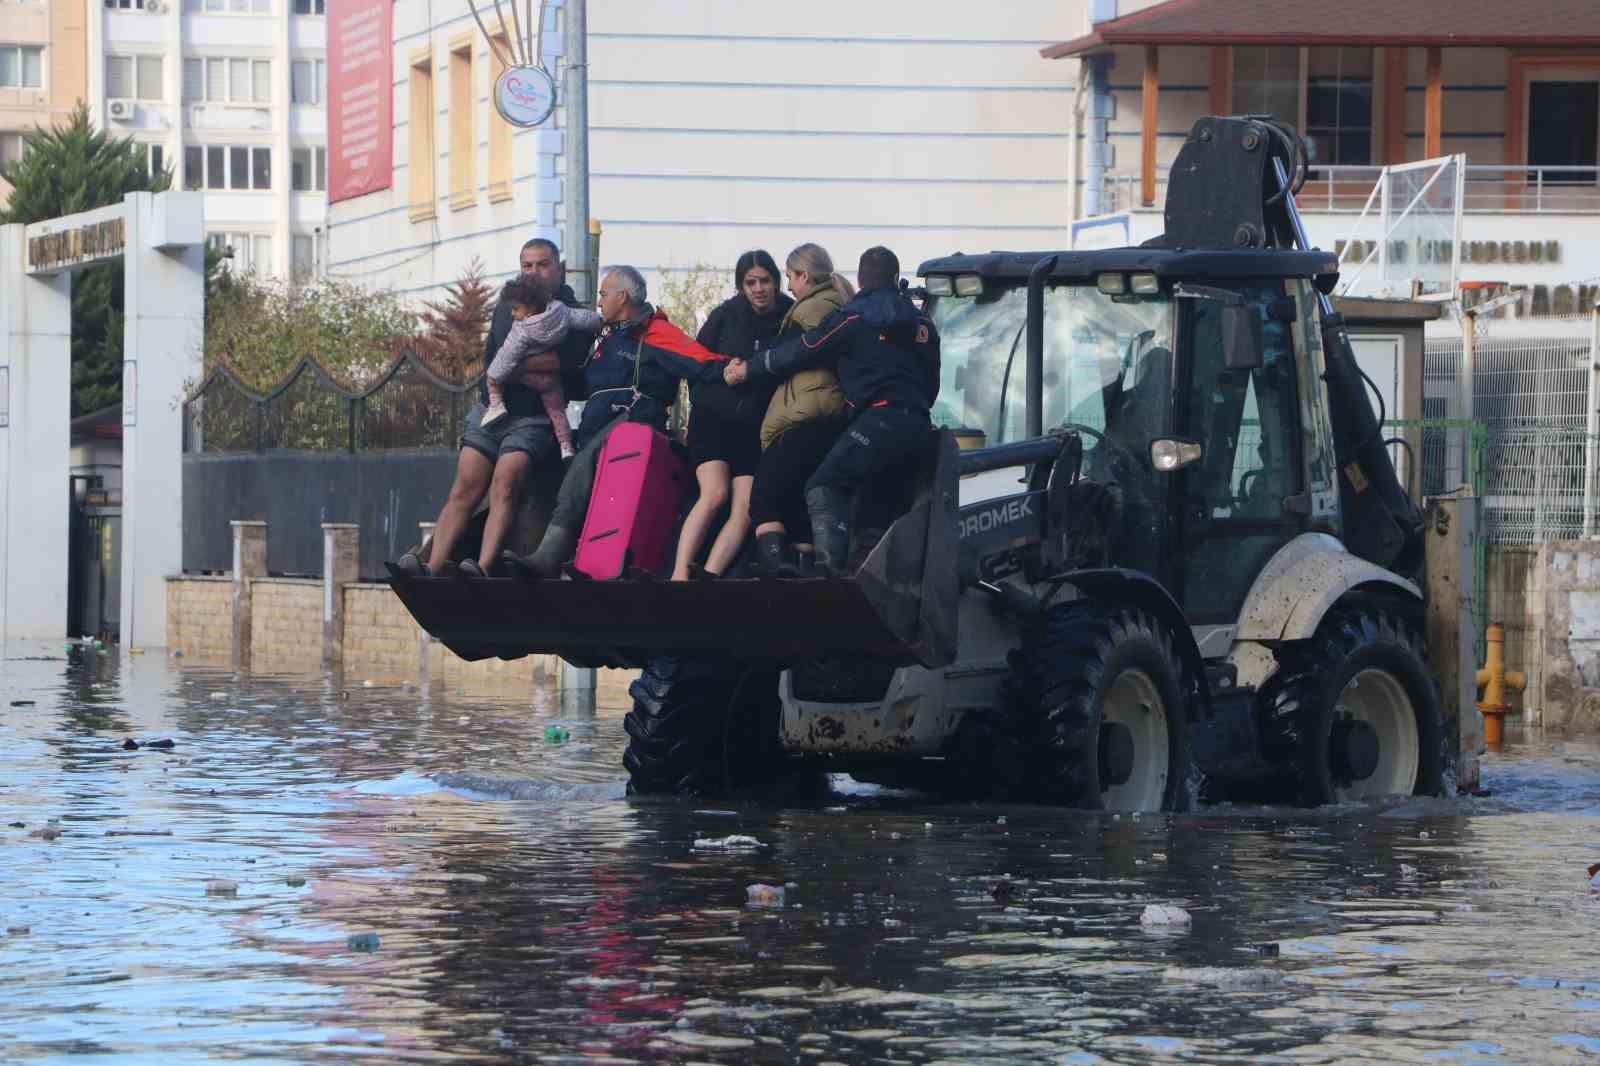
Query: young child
539, 324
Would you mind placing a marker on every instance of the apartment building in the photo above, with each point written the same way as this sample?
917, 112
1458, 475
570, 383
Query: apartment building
716, 127
229, 94
43, 53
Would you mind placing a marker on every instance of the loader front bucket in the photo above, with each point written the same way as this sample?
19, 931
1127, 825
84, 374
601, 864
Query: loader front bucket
900, 606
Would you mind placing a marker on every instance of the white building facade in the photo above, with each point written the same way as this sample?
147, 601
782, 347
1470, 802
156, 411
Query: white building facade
717, 127
229, 95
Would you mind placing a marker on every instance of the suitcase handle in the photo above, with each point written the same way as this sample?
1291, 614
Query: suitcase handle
624, 455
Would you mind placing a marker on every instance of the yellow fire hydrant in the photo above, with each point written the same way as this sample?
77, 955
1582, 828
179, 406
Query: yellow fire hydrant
1494, 679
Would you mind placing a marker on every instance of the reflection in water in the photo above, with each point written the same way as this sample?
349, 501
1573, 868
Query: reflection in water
526, 911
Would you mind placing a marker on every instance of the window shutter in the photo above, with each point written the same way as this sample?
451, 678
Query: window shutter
150, 87
238, 80
119, 77
216, 80
262, 71
300, 81
194, 80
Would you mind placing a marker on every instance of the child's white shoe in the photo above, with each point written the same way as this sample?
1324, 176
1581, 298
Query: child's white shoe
495, 413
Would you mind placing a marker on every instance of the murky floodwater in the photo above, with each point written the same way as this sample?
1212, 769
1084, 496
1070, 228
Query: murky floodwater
525, 912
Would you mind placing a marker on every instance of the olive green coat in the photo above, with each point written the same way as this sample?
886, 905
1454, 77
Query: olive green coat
809, 393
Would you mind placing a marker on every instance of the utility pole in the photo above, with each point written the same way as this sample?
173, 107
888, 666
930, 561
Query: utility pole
575, 143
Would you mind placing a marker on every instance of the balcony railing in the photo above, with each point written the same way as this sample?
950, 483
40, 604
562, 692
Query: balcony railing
1490, 189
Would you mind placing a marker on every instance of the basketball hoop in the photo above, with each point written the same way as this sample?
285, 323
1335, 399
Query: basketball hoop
525, 92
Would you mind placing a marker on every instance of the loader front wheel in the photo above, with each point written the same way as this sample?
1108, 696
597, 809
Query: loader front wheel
1109, 699
701, 727
1354, 712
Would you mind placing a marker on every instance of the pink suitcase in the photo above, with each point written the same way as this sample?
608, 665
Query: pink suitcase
638, 489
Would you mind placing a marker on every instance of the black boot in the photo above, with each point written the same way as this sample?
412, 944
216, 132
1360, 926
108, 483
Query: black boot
830, 526
772, 555
556, 548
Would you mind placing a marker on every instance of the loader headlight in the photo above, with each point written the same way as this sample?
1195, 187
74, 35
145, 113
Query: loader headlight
969, 285
939, 285
1111, 284
1173, 453
1146, 284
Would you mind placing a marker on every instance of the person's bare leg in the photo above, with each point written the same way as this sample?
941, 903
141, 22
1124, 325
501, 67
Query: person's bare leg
713, 479
505, 495
735, 529
472, 479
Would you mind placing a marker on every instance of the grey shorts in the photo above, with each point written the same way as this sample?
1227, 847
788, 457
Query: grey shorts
513, 433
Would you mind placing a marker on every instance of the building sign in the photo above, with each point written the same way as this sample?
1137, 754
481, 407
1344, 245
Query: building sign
360, 98
1440, 251
96, 240
525, 96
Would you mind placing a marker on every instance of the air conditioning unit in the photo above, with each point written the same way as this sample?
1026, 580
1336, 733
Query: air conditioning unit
154, 7
121, 110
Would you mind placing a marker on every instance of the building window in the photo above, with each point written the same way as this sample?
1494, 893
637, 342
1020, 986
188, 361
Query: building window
500, 132
125, 5
228, 7
133, 78
1266, 81
194, 167
302, 255
309, 7
308, 169
420, 159
243, 252
227, 81
1339, 105
235, 166
156, 157
11, 148
463, 115
308, 81
21, 67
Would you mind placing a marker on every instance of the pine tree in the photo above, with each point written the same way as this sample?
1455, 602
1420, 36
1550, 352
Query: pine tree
64, 170
455, 326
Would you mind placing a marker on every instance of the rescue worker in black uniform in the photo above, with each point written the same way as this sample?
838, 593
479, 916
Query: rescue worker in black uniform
886, 354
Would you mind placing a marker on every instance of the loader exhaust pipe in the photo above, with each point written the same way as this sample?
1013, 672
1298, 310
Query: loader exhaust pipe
1034, 410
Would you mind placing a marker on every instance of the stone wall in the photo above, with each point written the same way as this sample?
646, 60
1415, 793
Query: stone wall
286, 624
1571, 683
381, 641
200, 617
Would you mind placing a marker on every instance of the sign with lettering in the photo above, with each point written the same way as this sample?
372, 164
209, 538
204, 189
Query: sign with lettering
77, 246
525, 96
360, 98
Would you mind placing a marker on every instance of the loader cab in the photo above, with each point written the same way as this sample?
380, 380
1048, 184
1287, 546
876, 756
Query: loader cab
1143, 346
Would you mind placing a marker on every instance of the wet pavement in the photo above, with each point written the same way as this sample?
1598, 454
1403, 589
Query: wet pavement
318, 871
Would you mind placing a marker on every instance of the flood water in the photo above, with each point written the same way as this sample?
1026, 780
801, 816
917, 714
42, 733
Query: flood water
420, 877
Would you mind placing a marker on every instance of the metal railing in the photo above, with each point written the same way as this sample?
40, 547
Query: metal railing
407, 406
1490, 189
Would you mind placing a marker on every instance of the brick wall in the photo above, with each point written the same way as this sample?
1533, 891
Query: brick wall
286, 624
380, 638
200, 617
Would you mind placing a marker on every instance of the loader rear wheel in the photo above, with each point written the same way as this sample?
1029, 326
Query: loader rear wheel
1355, 713
685, 713
1109, 699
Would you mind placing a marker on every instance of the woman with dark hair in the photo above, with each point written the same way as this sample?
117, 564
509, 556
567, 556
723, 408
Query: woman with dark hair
725, 421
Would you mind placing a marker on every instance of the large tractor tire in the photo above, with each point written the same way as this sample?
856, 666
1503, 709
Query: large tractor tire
1108, 701
702, 727
1355, 713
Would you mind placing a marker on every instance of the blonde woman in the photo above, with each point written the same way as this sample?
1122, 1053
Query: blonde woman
804, 419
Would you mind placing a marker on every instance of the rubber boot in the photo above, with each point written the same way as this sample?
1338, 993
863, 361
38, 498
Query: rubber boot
554, 550
830, 526
772, 555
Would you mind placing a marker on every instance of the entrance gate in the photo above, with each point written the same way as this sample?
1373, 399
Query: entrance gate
160, 239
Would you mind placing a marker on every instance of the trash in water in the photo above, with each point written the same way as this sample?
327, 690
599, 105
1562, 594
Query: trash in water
1267, 950
22, 703
164, 743
47, 833
737, 842
1164, 914
362, 941
219, 695
294, 882
222, 887
130, 745
556, 734
763, 896
1003, 891
366, 684
1224, 977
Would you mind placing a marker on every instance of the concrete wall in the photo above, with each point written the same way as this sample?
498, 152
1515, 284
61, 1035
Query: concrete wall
1571, 645
1514, 587
200, 617
286, 624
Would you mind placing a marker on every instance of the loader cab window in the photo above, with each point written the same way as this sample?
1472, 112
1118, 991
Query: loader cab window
1234, 513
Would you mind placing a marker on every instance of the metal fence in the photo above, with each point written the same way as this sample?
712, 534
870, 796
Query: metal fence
407, 406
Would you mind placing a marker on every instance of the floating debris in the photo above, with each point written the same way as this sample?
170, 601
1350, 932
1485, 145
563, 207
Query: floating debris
362, 942
1165, 914
764, 896
22, 703
736, 842
130, 745
294, 882
556, 734
222, 887
47, 833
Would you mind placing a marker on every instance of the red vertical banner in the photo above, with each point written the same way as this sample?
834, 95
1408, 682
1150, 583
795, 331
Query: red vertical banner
360, 98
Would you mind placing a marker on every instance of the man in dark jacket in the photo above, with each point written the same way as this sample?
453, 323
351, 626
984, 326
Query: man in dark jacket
886, 354
499, 459
631, 376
